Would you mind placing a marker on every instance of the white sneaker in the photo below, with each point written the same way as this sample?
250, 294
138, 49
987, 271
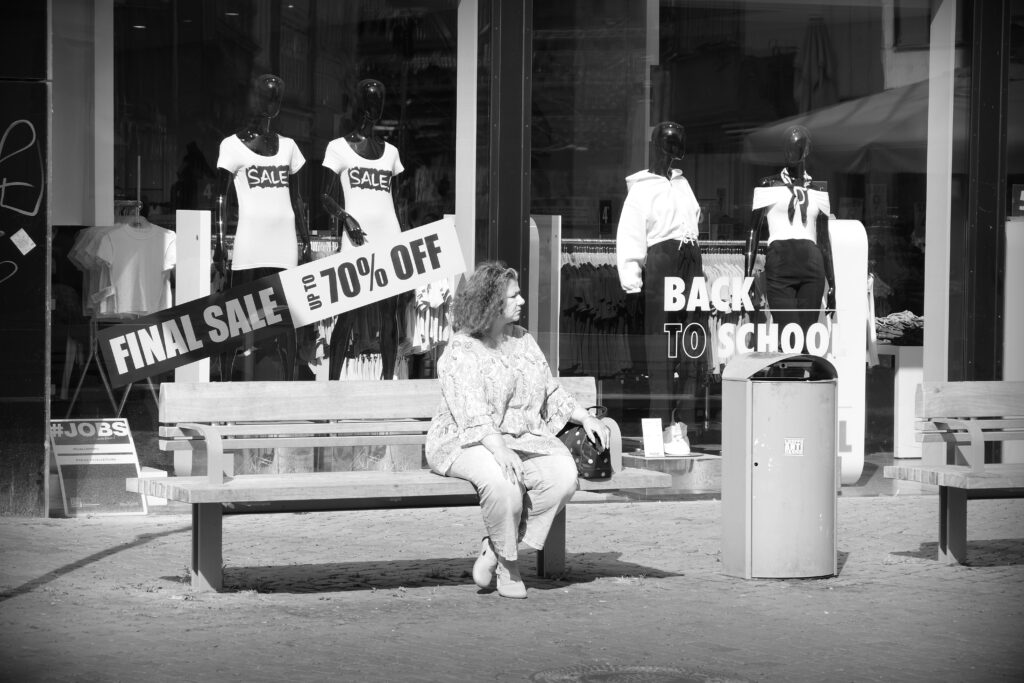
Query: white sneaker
486, 561
510, 583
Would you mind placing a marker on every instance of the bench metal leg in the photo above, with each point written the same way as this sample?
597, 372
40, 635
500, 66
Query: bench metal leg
551, 560
207, 560
952, 524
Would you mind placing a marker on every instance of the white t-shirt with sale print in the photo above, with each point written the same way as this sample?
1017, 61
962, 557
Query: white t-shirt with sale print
366, 184
266, 222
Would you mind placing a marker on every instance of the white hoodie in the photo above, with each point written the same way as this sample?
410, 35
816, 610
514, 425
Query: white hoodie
656, 209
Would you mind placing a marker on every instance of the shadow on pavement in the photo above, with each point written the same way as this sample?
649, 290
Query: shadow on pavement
140, 540
422, 573
1002, 552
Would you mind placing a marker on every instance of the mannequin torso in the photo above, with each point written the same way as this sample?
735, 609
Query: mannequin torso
660, 206
791, 206
260, 165
362, 149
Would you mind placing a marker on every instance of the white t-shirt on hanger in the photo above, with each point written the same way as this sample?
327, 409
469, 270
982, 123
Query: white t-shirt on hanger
140, 259
265, 237
366, 184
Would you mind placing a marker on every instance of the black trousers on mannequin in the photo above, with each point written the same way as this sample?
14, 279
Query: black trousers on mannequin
386, 315
270, 358
795, 282
667, 259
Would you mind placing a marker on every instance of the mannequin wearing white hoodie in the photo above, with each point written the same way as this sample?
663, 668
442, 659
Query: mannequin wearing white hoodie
657, 238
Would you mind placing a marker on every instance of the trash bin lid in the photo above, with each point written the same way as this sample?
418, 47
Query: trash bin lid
755, 365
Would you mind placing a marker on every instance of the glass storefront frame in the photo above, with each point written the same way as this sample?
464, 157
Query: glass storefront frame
945, 330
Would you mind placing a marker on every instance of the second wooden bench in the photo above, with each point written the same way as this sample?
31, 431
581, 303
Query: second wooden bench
965, 416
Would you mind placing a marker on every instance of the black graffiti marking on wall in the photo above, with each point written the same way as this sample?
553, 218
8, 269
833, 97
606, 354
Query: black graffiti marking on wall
7, 270
34, 196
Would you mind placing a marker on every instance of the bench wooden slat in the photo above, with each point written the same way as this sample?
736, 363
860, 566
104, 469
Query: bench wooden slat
240, 443
969, 399
1007, 424
265, 401
995, 476
313, 428
965, 438
350, 485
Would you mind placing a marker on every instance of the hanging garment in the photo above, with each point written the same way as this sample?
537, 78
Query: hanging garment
140, 258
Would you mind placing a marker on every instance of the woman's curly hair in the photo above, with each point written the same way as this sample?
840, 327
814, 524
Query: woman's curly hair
480, 300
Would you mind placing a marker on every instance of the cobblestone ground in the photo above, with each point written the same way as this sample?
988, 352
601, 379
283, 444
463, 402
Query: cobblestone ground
387, 596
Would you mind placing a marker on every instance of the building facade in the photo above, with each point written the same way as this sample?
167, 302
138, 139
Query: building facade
521, 121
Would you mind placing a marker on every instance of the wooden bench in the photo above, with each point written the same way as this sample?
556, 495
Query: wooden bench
214, 419
966, 416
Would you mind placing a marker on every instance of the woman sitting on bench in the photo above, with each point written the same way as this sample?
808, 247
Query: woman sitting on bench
497, 423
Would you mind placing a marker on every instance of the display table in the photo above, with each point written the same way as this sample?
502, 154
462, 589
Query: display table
699, 473
908, 366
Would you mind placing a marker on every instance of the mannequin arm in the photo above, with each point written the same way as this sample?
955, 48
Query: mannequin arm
220, 217
398, 190
631, 247
300, 218
753, 241
330, 196
825, 245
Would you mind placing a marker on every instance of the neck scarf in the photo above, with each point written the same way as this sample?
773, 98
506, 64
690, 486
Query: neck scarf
798, 195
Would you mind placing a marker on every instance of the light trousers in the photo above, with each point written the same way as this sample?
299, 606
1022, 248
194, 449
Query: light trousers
514, 512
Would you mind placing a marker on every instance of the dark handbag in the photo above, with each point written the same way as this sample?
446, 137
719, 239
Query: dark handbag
591, 463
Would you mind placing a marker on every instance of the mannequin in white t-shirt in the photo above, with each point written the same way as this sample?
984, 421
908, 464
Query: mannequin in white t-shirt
260, 166
358, 190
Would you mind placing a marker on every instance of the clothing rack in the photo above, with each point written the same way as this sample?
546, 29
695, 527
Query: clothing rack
706, 246
94, 355
587, 242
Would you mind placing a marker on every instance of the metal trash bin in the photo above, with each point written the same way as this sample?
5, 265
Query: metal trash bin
779, 466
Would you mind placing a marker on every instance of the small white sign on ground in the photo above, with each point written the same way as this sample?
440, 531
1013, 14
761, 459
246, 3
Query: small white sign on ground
94, 457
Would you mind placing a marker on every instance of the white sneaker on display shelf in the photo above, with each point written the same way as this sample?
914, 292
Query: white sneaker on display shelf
676, 442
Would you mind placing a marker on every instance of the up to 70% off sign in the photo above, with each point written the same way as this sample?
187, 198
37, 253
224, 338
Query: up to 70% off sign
372, 272
348, 275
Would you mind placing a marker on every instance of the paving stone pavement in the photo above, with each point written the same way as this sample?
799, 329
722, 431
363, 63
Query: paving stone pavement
387, 596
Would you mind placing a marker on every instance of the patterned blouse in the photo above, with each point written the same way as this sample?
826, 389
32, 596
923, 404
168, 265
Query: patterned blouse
508, 390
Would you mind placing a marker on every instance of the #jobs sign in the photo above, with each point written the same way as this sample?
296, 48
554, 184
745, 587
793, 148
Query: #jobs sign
295, 297
94, 457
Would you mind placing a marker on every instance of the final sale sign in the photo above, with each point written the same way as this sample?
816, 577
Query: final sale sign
295, 297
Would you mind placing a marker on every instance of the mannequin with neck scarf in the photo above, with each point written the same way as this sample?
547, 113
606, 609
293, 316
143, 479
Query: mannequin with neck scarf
795, 211
657, 238
261, 167
358, 191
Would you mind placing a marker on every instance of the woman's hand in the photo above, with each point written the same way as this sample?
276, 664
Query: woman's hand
508, 460
597, 431
510, 463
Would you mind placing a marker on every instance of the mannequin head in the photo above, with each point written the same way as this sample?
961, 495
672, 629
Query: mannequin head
669, 142
265, 96
369, 101
797, 145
